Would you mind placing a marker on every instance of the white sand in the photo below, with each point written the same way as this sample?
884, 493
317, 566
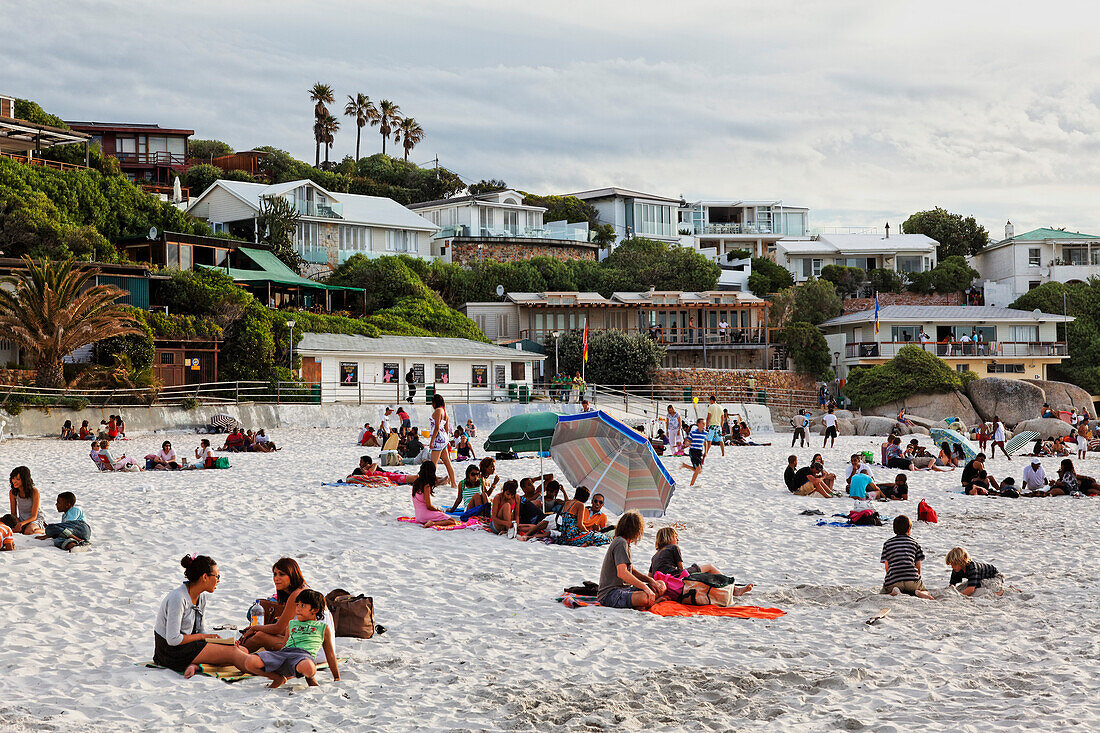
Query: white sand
476, 641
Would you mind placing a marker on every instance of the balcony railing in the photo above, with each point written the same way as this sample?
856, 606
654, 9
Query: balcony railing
685, 337
956, 349
569, 234
330, 210
161, 190
160, 157
737, 229
56, 165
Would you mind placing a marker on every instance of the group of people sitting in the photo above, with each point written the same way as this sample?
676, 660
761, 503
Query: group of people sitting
245, 441
165, 459
976, 481
72, 533
112, 428
814, 480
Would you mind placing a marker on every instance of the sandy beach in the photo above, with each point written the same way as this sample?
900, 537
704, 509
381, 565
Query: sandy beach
476, 641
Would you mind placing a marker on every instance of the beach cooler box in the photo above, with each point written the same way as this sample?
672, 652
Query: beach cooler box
429, 393
513, 392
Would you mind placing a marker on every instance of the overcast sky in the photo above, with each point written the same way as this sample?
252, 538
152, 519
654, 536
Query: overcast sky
863, 111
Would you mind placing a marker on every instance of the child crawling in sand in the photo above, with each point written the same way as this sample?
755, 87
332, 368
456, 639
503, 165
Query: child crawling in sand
669, 561
306, 634
970, 576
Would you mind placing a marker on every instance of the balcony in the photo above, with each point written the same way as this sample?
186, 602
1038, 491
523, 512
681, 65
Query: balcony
735, 229
160, 157
567, 234
754, 337
957, 349
329, 210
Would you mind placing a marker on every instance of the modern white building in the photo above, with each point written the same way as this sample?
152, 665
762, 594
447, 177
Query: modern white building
332, 227
720, 227
1019, 263
635, 214
903, 253
361, 369
990, 341
499, 226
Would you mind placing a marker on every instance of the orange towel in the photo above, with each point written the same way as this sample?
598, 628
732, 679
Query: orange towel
672, 608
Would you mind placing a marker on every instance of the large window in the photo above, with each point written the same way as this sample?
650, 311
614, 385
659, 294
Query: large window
910, 263
1075, 255
811, 267
511, 222
1004, 368
653, 219
355, 238
487, 220
1034, 257
909, 334
400, 240
1027, 334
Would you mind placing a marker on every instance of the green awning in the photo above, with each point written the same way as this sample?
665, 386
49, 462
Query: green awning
273, 270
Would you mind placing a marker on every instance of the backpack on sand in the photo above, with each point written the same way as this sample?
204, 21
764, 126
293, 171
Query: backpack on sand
925, 513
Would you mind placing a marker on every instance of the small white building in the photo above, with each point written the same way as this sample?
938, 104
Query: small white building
903, 253
332, 226
363, 369
1019, 263
634, 214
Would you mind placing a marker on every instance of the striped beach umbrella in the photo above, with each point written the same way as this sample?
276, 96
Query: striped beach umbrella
598, 452
954, 437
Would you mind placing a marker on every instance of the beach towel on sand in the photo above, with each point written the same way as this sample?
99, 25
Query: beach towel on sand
472, 523
230, 673
672, 608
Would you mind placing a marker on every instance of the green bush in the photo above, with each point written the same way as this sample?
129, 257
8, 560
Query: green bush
12, 407
809, 350
138, 349
949, 276
75, 403
846, 280
188, 403
885, 281
768, 277
912, 371
613, 357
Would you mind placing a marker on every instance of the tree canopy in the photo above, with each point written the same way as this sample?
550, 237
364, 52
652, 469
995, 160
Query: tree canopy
956, 234
207, 149
811, 302
1082, 335
809, 350
768, 277
613, 356
948, 276
912, 371
846, 280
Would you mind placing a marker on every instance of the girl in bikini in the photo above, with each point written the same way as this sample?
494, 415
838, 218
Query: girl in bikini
438, 443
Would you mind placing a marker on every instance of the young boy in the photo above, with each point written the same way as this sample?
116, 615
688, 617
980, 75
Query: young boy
902, 557
72, 533
306, 634
978, 575
698, 437
7, 536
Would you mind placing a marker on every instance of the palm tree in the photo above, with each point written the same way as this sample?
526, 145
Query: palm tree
389, 116
409, 134
328, 125
322, 94
363, 110
54, 309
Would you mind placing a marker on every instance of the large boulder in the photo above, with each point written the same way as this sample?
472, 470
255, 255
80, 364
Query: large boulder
932, 406
1065, 396
1048, 428
878, 426
1013, 400
844, 426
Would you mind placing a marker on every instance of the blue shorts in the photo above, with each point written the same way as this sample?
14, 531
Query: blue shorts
618, 598
284, 661
714, 435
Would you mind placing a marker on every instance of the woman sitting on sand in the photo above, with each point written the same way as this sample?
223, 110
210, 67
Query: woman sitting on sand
424, 511
574, 517
505, 508
179, 635
122, 463
471, 492
263, 443
204, 456
164, 459
289, 582
1070, 482
23, 498
465, 449
85, 431
946, 458
67, 432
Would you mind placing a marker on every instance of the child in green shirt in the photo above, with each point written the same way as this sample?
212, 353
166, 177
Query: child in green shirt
307, 633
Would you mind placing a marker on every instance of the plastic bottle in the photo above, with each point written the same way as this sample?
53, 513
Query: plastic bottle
255, 614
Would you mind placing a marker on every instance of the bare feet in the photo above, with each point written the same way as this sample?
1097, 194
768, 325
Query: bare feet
191, 671
311, 681
895, 591
740, 591
277, 681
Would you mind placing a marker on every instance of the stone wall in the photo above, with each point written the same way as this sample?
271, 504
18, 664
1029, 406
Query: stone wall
467, 251
16, 376
855, 305
701, 380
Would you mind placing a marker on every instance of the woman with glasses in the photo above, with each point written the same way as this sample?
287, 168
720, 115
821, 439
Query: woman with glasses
179, 634
163, 460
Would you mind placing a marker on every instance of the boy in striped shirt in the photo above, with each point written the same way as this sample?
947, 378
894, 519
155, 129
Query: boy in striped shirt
969, 575
698, 437
902, 556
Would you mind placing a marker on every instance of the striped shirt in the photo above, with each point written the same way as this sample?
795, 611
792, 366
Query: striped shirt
698, 438
975, 573
901, 553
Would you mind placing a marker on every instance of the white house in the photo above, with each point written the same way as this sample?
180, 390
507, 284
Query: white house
499, 226
635, 214
903, 253
362, 369
719, 227
990, 341
332, 227
1019, 263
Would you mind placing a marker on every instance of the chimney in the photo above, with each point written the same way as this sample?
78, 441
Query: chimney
887, 230
1009, 230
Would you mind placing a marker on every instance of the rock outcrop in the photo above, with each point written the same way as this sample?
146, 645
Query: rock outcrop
1065, 396
1013, 400
931, 407
1048, 428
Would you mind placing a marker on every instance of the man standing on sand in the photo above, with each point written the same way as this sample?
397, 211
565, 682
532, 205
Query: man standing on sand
714, 426
384, 425
675, 433
829, 421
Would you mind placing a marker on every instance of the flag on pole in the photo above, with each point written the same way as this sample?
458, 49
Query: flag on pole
876, 316
586, 340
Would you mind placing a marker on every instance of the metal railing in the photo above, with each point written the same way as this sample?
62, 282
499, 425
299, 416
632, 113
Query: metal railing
157, 157
956, 349
652, 401
749, 336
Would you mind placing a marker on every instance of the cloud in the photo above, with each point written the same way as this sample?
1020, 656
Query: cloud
860, 110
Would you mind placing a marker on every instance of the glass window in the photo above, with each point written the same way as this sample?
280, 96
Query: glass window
1025, 333
1034, 257
910, 263
487, 220
158, 144
176, 145
519, 372
172, 256
909, 334
185, 257
1075, 255
125, 145
511, 222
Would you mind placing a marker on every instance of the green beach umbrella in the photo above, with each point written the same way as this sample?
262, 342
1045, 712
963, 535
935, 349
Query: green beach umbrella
532, 431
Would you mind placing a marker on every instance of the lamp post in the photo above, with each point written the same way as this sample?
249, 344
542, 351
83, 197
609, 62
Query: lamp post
836, 371
557, 364
290, 323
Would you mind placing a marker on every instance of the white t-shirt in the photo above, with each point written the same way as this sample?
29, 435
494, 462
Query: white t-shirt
863, 468
361, 434
829, 419
384, 424
205, 453
1034, 478
166, 457
999, 433
723, 325
965, 339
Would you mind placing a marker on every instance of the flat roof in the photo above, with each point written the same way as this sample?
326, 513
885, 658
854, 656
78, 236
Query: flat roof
969, 314
146, 127
599, 193
411, 346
